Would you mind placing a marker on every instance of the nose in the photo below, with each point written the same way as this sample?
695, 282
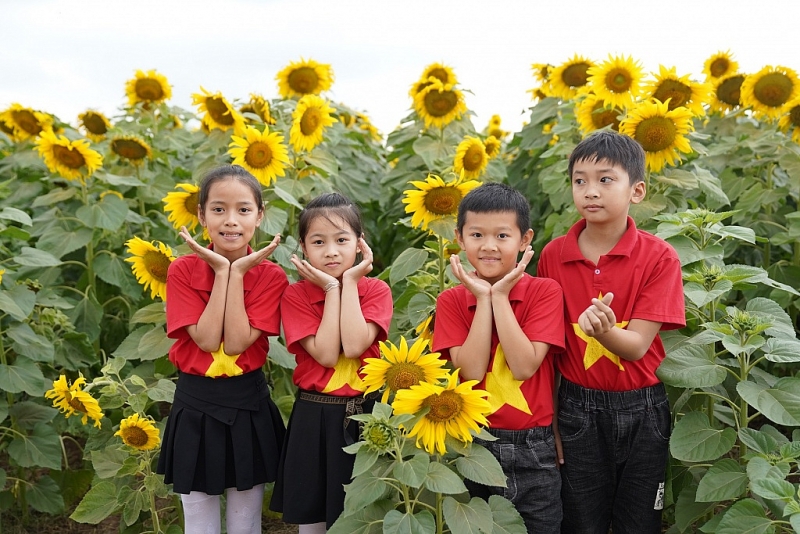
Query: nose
331, 251
591, 192
490, 244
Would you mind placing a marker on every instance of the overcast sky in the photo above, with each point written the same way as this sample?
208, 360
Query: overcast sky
65, 56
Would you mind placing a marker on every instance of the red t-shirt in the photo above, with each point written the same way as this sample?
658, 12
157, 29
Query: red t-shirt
538, 306
189, 284
301, 309
644, 273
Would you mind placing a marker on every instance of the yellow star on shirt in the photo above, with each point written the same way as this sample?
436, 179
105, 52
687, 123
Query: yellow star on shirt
224, 364
595, 350
503, 387
345, 373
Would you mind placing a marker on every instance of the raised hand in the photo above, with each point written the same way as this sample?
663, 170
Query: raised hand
217, 262
362, 268
505, 284
598, 318
245, 263
475, 285
311, 273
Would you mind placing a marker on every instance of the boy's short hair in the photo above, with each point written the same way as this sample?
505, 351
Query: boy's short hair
616, 148
492, 197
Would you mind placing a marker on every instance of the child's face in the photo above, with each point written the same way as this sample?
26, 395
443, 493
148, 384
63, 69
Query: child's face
602, 191
492, 241
330, 245
231, 216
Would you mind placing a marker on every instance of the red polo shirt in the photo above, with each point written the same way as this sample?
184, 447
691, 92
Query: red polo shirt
644, 273
538, 306
301, 309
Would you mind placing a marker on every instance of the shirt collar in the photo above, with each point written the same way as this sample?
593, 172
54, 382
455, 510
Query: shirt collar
571, 252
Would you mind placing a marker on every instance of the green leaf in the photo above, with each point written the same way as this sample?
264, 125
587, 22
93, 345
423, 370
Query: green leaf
107, 462
53, 197
690, 366
2, 478
467, 518
109, 213
112, 269
432, 150
274, 220
363, 491
505, 518
42, 448
59, 242
28, 413
366, 521
694, 440
22, 375
154, 313
13, 214
758, 468
441, 479
154, 344
780, 403
45, 496
279, 355
129, 348
286, 196
412, 472
32, 257
794, 519
323, 161
782, 350
396, 522
745, 517
29, 343
758, 441
87, 316
687, 509
365, 458
72, 484
18, 302
480, 465
163, 391
133, 507
723, 481
3, 415
408, 262
98, 503
773, 488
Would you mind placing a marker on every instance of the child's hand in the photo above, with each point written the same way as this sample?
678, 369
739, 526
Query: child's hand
362, 268
311, 273
245, 263
217, 262
476, 286
507, 283
598, 318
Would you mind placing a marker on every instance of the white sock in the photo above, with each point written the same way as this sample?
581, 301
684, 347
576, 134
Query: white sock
312, 528
243, 511
201, 513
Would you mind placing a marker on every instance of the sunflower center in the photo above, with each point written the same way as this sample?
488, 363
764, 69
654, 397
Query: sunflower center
149, 89
95, 124
602, 116
258, 155
219, 111
655, 133
719, 67
773, 90
156, 264
135, 436
77, 405
303, 80
443, 407
729, 91
190, 203
443, 200
27, 121
440, 74
618, 80
310, 121
473, 158
575, 75
440, 103
678, 93
403, 376
128, 148
794, 116
68, 157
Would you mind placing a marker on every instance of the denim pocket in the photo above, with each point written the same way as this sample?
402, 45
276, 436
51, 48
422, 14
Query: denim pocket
661, 420
573, 421
544, 451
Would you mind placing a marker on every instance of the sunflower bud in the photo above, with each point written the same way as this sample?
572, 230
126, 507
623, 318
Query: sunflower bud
379, 435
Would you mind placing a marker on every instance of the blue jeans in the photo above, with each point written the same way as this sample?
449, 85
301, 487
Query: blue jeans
528, 459
615, 455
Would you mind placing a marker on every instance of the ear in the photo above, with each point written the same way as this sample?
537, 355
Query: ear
527, 237
459, 240
638, 193
260, 217
201, 216
358, 249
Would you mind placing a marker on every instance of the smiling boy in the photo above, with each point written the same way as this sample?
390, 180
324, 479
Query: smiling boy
498, 327
621, 286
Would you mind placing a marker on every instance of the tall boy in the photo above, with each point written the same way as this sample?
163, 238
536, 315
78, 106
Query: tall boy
497, 327
621, 286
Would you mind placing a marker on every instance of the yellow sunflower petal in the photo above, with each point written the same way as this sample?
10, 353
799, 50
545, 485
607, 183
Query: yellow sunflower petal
616, 80
139, 433
438, 104
567, 78
660, 131
305, 77
262, 153
678, 91
131, 148
217, 112
769, 90
790, 121
25, 122
73, 160
720, 65
150, 262
309, 120
94, 124
433, 199
471, 158
182, 206
148, 87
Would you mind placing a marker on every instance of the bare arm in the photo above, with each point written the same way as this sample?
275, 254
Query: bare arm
631, 343
473, 356
324, 346
356, 333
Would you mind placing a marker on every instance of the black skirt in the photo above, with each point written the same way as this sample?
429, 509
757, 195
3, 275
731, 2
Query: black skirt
314, 468
221, 433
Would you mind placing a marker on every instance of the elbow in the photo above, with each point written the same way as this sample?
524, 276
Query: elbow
523, 375
328, 360
233, 349
208, 346
353, 352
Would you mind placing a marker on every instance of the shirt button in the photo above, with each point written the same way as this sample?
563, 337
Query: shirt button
597, 271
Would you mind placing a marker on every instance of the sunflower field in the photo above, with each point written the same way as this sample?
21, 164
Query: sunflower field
89, 212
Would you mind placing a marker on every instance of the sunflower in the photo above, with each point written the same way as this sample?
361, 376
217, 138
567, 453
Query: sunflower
720, 65
679, 90
433, 199
73, 160
263, 154
540, 93
492, 145
306, 77
25, 122
441, 72
439, 104
131, 148
790, 122
182, 206
367, 127
95, 124
150, 264
594, 113
309, 119
455, 410
542, 71
616, 80
727, 93
424, 329
149, 87
258, 106
471, 157
768, 91
138, 432
660, 131
2, 272
567, 78
218, 112
402, 367
493, 128
72, 399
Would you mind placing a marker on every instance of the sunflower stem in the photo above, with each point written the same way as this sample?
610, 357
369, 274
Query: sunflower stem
4, 361
439, 514
151, 494
441, 264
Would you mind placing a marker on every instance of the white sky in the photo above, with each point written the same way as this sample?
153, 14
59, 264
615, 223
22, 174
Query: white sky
65, 56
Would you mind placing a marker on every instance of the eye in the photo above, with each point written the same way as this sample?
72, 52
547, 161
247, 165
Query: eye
476, 235
606, 179
317, 242
502, 236
342, 240
217, 210
245, 210
579, 181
